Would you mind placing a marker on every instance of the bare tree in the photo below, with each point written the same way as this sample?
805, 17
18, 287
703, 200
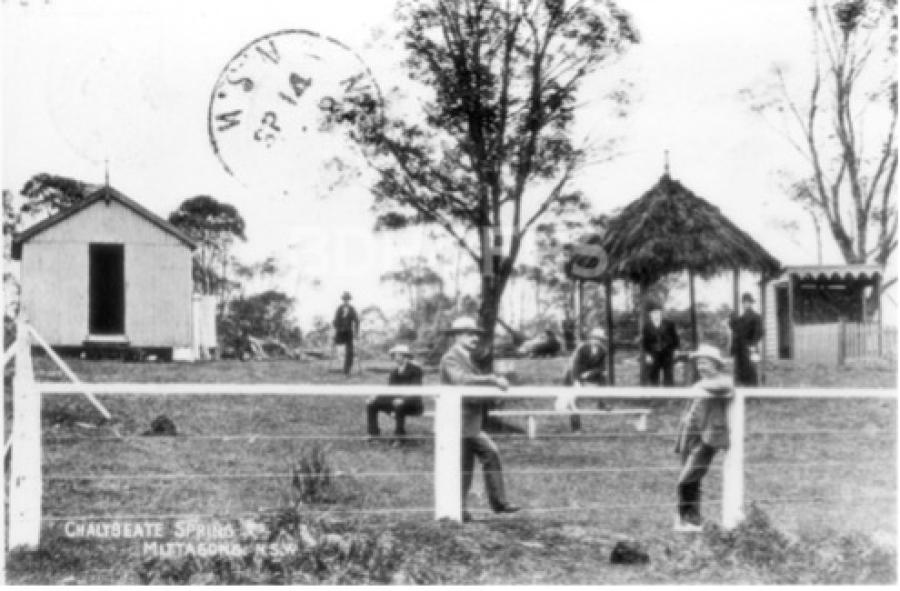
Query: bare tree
850, 177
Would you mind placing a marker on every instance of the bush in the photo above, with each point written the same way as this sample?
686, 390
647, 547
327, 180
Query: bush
314, 481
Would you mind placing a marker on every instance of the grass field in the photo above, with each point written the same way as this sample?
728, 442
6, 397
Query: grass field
823, 473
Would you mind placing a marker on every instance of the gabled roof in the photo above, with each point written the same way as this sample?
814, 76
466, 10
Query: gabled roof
106, 193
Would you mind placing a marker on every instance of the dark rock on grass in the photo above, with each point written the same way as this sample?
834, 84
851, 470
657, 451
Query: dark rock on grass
162, 426
628, 552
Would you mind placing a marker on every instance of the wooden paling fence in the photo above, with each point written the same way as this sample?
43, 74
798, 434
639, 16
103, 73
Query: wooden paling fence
837, 342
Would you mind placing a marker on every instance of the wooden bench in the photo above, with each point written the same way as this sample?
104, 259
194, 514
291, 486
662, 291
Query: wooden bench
531, 415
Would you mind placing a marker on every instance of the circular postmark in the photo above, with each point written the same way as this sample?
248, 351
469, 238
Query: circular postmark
285, 103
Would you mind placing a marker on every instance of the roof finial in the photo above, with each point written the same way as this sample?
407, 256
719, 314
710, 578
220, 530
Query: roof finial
667, 163
106, 180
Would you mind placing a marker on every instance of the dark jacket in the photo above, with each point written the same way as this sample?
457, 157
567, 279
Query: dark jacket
664, 339
746, 331
584, 360
411, 376
346, 323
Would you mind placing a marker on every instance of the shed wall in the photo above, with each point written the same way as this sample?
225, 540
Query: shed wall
158, 282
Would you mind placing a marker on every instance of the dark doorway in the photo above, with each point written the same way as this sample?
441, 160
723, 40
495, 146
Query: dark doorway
783, 320
107, 289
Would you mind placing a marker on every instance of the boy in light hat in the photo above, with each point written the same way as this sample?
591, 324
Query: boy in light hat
702, 432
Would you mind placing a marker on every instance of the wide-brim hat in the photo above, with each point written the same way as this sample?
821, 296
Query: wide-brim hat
346, 296
400, 350
597, 333
709, 352
465, 324
747, 297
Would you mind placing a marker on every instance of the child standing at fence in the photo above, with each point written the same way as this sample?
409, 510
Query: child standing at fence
702, 432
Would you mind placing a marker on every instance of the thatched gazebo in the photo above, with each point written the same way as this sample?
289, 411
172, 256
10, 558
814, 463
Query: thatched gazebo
671, 230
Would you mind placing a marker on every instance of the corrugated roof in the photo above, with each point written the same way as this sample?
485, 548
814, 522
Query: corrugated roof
105, 193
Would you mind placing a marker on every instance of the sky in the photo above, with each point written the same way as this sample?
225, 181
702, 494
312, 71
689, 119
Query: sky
130, 82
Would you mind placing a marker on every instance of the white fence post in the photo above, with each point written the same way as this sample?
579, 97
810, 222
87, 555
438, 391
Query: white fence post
25, 486
447, 455
733, 465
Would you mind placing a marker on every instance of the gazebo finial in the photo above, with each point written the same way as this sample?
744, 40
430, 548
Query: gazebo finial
666, 169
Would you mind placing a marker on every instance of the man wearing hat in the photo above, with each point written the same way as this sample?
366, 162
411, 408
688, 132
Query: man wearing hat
458, 369
659, 342
587, 366
746, 332
703, 431
346, 329
406, 373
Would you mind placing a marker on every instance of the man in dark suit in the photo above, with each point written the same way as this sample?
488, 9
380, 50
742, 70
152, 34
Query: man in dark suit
406, 373
346, 329
659, 342
746, 332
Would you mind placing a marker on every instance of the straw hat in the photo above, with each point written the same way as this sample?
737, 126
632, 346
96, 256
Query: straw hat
400, 350
465, 324
597, 333
709, 352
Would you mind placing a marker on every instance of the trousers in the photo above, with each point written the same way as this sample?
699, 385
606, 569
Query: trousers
411, 407
696, 458
482, 447
348, 355
663, 361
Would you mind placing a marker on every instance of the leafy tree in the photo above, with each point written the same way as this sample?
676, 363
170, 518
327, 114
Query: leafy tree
494, 150
45, 194
214, 226
264, 315
852, 162
419, 281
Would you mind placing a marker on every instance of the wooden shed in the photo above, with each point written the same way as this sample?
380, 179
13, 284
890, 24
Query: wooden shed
107, 274
824, 313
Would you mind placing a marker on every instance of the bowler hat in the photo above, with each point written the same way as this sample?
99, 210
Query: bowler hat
747, 297
465, 324
346, 296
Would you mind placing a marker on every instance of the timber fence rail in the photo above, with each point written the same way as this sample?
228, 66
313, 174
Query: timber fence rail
27, 479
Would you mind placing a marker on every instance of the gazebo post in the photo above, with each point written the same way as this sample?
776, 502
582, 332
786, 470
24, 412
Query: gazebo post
693, 308
611, 354
736, 290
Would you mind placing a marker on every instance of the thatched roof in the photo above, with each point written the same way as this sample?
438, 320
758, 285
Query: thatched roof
671, 230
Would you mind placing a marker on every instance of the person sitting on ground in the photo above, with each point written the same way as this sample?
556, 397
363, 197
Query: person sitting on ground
587, 366
703, 431
458, 369
406, 373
